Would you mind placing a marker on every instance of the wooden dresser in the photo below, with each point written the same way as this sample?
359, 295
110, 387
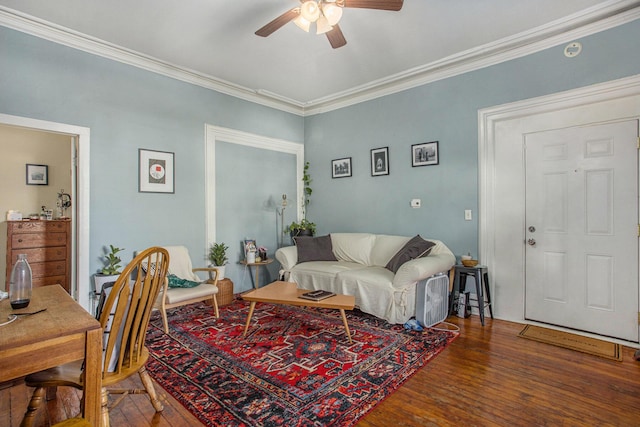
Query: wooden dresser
47, 245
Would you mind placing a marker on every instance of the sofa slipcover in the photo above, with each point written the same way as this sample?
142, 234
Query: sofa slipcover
360, 271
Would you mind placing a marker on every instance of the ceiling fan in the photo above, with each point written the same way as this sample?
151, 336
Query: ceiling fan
326, 14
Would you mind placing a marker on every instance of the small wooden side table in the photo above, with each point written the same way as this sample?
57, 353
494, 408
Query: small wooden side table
257, 265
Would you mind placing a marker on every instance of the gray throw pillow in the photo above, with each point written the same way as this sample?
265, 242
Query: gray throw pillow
314, 248
417, 247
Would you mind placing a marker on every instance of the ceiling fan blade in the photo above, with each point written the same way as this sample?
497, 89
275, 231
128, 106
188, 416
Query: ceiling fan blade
336, 38
375, 4
277, 23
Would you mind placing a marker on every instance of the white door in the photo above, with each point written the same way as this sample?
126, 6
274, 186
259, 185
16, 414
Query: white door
581, 256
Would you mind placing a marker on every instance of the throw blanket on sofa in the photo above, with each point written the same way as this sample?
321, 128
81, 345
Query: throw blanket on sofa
360, 269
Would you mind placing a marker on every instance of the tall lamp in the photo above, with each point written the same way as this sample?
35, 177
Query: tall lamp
281, 213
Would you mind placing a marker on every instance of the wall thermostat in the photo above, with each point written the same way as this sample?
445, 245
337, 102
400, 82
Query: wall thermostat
572, 49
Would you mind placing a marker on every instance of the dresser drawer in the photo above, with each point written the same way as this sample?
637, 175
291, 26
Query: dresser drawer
35, 226
50, 280
29, 240
58, 253
50, 268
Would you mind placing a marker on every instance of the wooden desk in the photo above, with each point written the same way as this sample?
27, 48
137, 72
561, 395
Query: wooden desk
63, 333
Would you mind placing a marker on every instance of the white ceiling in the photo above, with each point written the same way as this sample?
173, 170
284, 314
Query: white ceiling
215, 40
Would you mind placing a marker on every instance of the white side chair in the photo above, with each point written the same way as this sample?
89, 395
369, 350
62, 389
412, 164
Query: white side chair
180, 265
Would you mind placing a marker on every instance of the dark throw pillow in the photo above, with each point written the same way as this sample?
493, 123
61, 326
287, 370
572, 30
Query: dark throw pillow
417, 247
176, 282
314, 249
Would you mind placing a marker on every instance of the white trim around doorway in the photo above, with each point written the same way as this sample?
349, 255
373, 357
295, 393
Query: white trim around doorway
501, 188
80, 276
217, 133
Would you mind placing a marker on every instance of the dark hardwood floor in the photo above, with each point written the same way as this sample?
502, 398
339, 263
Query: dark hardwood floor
487, 377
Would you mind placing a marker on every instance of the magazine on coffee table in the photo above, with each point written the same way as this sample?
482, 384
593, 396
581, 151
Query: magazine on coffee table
317, 295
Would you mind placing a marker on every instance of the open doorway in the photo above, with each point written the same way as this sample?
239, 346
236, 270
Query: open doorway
25, 150
78, 138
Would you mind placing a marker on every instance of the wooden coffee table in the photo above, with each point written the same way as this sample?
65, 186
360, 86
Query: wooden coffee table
287, 293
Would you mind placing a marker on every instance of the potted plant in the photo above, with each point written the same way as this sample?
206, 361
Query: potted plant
111, 269
218, 257
304, 227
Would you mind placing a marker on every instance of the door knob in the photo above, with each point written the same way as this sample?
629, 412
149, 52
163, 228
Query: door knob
531, 242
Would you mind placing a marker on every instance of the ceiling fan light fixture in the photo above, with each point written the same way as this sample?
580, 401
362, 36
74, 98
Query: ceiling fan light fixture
322, 25
302, 23
332, 12
310, 11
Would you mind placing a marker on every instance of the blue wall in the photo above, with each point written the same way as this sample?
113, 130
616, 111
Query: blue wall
263, 176
128, 108
444, 111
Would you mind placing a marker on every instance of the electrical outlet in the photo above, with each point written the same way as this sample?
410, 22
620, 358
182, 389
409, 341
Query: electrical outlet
467, 215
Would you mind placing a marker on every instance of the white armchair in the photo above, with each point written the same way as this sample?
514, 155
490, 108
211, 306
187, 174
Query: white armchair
180, 265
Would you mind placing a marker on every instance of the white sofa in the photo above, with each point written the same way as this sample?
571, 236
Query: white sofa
359, 270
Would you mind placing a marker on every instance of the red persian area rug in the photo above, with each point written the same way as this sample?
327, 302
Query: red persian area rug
294, 368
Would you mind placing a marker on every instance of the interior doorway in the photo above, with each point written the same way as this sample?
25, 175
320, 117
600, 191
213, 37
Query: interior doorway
244, 199
80, 154
502, 191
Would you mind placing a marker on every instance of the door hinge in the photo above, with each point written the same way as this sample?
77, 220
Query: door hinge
638, 318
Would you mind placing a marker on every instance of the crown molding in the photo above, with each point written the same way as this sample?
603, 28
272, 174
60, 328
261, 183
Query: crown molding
52, 32
590, 21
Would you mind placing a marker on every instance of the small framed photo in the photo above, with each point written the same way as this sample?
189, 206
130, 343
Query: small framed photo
37, 174
380, 161
250, 247
341, 168
156, 172
425, 154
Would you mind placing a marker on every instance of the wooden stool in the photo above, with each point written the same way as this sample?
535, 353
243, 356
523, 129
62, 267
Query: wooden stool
481, 275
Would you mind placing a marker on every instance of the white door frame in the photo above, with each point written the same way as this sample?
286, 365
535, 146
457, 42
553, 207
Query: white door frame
80, 276
501, 189
217, 133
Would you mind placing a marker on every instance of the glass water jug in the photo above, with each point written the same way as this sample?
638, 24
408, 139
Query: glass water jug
20, 284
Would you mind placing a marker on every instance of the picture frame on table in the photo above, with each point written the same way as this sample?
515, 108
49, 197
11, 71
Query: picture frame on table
425, 154
250, 246
380, 161
156, 171
37, 174
341, 168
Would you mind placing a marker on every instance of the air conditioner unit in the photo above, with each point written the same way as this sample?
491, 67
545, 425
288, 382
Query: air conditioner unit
432, 300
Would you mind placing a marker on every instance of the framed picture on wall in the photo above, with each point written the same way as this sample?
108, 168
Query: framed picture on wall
156, 171
341, 168
425, 154
380, 161
37, 174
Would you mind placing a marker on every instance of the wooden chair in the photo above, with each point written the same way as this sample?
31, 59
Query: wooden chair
182, 267
74, 422
124, 318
